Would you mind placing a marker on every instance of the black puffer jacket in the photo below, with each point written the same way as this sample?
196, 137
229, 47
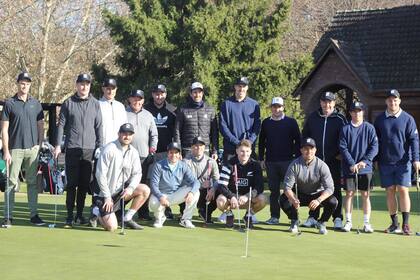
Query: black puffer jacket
193, 121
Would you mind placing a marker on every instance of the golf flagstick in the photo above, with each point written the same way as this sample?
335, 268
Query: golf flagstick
356, 183
297, 212
235, 174
207, 190
122, 197
247, 224
418, 198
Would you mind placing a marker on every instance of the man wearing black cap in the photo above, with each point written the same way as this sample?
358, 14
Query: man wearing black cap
398, 145
145, 139
81, 122
197, 118
113, 111
172, 182
358, 147
118, 174
239, 119
22, 133
308, 182
324, 126
206, 171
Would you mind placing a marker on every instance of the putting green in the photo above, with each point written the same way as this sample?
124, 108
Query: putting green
29, 252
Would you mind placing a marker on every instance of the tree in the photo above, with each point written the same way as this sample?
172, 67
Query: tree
176, 42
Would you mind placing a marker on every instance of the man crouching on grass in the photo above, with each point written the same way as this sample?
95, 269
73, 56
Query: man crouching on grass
118, 174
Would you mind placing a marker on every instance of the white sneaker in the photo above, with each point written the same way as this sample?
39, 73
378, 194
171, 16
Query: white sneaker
159, 222
367, 228
222, 218
347, 227
187, 224
338, 223
322, 228
254, 219
294, 227
310, 222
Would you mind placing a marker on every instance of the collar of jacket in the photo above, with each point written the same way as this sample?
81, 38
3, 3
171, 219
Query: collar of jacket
334, 114
76, 97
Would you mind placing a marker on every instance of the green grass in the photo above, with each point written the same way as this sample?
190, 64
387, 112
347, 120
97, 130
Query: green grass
29, 252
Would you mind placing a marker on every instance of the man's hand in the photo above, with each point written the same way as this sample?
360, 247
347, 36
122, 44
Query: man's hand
361, 165
233, 203
210, 194
7, 158
314, 204
243, 199
295, 202
189, 198
152, 150
416, 165
263, 165
214, 156
164, 201
97, 153
108, 205
57, 151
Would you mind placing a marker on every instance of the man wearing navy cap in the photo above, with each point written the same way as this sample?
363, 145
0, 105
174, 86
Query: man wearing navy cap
118, 174
81, 122
358, 147
398, 152
324, 126
308, 182
172, 182
22, 130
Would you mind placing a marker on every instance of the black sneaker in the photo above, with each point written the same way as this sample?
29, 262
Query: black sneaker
93, 220
7, 223
69, 222
248, 219
145, 217
229, 219
168, 213
133, 225
393, 229
80, 220
36, 220
202, 214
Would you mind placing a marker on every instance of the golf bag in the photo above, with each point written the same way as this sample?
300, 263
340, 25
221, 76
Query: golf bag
50, 178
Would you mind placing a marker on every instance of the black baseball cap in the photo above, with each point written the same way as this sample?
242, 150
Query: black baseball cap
328, 96
83, 78
356, 106
127, 127
24, 76
393, 93
137, 93
308, 142
109, 82
174, 145
242, 81
159, 88
198, 140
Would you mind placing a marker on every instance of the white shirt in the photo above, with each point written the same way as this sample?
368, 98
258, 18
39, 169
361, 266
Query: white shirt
113, 116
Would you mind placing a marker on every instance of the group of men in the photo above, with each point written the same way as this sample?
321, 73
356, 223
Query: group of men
157, 156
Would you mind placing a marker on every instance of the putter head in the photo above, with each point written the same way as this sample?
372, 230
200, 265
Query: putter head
122, 233
51, 226
418, 233
358, 231
6, 226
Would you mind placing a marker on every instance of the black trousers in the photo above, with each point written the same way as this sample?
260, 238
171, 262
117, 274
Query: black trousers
275, 173
335, 169
329, 204
146, 163
79, 173
201, 204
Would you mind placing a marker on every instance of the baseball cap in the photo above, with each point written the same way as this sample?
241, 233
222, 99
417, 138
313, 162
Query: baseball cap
127, 127
109, 82
277, 100
137, 93
24, 76
356, 106
308, 142
83, 78
160, 88
328, 96
196, 85
393, 93
174, 145
198, 140
242, 81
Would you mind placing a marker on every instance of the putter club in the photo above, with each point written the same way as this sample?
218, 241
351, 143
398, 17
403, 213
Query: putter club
55, 199
247, 224
418, 197
7, 195
235, 174
356, 183
123, 201
298, 233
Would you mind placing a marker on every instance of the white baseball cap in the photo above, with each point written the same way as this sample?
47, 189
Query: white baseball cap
197, 85
277, 100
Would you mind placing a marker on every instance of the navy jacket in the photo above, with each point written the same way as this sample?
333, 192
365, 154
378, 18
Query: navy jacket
325, 131
358, 144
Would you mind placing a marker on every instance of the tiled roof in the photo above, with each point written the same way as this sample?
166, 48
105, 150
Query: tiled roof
382, 46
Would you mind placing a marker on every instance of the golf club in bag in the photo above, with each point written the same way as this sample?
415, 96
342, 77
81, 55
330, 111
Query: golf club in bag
248, 223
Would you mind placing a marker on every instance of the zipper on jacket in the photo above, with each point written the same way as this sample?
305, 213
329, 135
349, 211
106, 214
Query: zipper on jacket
323, 138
